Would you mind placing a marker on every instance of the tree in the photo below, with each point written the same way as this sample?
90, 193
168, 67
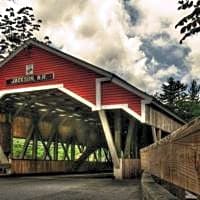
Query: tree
16, 28
194, 91
190, 24
194, 99
172, 92
185, 103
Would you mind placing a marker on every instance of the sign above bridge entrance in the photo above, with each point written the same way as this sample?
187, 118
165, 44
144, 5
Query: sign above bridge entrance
30, 79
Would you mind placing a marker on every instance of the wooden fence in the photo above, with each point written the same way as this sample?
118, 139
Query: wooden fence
176, 158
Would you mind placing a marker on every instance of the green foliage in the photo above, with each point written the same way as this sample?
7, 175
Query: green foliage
16, 28
18, 144
193, 91
173, 92
180, 100
189, 24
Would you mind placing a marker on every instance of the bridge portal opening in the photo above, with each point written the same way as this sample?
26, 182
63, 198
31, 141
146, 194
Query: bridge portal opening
48, 131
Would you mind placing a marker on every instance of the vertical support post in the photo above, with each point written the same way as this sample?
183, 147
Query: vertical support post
129, 139
159, 134
154, 134
35, 145
144, 139
73, 151
67, 152
99, 155
135, 142
106, 155
12, 145
117, 128
95, 157
109, 138
55, 146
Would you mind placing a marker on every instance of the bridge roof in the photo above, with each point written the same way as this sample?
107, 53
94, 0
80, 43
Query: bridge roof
113, 77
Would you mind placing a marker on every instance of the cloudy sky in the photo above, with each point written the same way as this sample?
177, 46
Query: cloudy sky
135, 39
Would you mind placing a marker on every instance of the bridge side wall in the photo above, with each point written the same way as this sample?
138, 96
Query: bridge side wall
176, 158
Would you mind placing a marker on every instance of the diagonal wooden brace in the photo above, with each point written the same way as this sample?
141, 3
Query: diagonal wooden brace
109, 138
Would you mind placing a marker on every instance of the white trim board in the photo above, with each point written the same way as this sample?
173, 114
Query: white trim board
48, 87
123, 107
29, 89
99, 91
143, 110
77, 97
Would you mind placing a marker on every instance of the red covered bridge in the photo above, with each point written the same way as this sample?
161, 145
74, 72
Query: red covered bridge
52, 100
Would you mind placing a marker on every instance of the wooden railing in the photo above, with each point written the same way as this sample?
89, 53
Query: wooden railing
176, 158
54, 166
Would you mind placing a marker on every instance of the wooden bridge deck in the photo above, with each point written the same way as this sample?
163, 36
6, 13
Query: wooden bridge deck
68, 187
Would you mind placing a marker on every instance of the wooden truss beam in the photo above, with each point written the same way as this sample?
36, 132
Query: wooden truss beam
117, 125
109, 138
129, 139
157, 134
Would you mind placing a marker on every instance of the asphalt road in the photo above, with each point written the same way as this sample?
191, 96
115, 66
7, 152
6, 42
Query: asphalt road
68, 187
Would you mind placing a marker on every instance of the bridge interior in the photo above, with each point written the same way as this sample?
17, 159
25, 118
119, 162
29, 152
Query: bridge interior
49, 131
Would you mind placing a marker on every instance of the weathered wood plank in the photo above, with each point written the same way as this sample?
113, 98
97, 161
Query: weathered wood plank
117, 125
129, 168
155, 139
129, 139
159, 134
55, 145
135, 145
159, 120
35, 145
176, 158
52, 166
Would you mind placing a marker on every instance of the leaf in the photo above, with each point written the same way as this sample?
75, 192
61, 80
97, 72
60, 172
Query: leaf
190, 4
21, 10
184, 37
183, 29
46, 37
189, 26
194, 24
12, 14
16, 27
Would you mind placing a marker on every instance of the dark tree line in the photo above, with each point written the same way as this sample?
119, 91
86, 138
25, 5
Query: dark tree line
182, 99
16, 28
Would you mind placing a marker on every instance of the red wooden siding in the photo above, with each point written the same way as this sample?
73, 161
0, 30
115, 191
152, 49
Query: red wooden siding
78, 79
75, 78
114, 94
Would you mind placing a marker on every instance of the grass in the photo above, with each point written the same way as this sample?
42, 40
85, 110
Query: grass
18, 144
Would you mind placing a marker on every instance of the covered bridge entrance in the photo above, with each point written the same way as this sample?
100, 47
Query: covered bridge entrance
61, 114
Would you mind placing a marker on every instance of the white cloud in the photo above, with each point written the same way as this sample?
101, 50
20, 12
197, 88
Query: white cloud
157, 15
194, 56
163, 73
161, 42
99, 32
